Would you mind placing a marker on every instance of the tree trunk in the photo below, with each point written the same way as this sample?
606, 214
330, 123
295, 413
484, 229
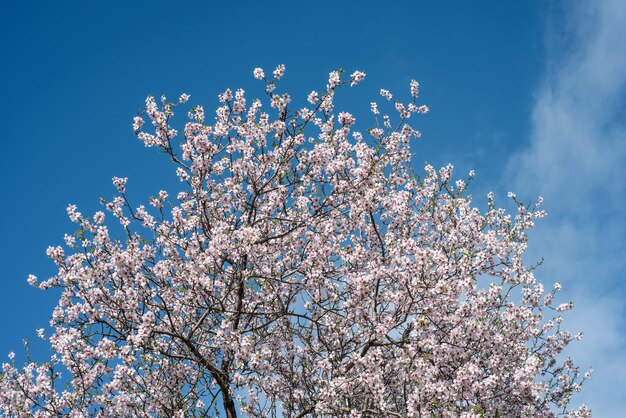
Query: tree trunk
229, 406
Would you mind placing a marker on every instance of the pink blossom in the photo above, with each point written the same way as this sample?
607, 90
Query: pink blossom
346, 119
259, 74
279, 71
137, 123
374, 108
414, 88
32, 280
333, 79
356, 78
302, 268
120, 183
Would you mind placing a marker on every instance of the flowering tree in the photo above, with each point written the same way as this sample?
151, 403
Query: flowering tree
304, 270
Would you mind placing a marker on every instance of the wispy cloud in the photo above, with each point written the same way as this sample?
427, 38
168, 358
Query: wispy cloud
576, 158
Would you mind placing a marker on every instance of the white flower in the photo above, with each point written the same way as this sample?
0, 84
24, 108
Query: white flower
279, 71
258, 73
356, 77
414, 88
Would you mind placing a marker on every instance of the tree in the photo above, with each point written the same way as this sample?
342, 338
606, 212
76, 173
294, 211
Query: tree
303, 270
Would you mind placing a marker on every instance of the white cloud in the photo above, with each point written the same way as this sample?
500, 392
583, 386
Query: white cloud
576, 158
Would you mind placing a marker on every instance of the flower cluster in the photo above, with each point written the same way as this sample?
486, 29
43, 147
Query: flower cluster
302, 270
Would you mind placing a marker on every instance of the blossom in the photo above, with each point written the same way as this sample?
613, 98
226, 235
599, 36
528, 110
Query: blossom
414, 88
300, 266
374, 108
346, 119
120, 183
73, 214
386, 94
98, 217
377, 133
259, 74
333, 79
32, 280
279, 71
137, 123
356, 77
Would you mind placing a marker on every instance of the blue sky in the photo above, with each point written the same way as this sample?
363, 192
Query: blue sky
530, 94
